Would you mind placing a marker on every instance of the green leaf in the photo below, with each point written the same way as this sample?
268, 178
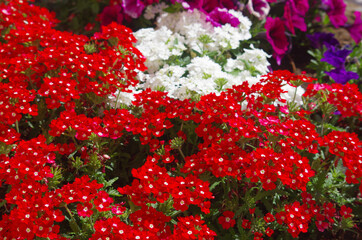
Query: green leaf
177, 7
330, 126
110, 182
214, 185
114, 193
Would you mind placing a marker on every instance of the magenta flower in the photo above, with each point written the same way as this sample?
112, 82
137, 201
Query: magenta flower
275, 34
111, 14
259, 8
356, 28
300, 6
230, 4
293, 19
216, 11
220, 16
208, 5
133, 8
335, 12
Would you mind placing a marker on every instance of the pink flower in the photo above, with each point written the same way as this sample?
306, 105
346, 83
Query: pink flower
275, 34
293, 18
221, 16
356, 28
133, 8
335, 11
300, 6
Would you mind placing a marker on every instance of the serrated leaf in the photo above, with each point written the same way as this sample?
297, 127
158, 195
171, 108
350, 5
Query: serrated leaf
114, 193
110, 182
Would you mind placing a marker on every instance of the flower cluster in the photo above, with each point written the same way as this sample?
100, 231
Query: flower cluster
186, 56
299, 14
254, 158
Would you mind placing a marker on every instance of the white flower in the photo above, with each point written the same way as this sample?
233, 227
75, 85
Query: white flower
190, 24
121, 97
167, 78
251, 60
158, 45
292, 93
153, 10
245, 24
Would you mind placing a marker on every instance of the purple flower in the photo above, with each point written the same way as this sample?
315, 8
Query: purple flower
259, 8
340, 75
133, 8
336, 57
319, 39
335, 12
221, 15
275, 34
111, 14
356, 28
293, 18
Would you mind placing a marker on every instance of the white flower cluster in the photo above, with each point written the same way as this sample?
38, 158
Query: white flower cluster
158, 46
179, 60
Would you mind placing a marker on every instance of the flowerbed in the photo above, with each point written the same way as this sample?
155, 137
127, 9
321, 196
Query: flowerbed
104, 137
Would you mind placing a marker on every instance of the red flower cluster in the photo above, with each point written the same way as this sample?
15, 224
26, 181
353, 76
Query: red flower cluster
238, 147
346, 98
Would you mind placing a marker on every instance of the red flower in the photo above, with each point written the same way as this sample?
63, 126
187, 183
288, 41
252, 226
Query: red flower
269, 232
246, 224
85, 210
227, 220
269, 218
345, 211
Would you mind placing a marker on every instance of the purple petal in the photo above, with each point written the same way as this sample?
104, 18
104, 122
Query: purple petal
340, 75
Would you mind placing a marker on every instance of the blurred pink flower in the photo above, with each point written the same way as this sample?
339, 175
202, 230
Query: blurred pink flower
335, 12
293, 19
356, 28
133, 8
300, 6
221, 16
275, 34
